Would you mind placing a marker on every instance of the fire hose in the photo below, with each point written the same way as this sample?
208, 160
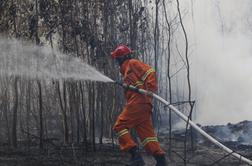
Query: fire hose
186, 119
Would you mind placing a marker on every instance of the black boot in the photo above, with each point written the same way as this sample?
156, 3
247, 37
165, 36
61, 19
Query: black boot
161, 161
136, 158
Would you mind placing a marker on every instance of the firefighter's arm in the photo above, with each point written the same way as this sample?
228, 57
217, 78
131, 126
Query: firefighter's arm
151, 81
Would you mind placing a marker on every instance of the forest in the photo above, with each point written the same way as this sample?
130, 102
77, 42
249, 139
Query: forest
69, 121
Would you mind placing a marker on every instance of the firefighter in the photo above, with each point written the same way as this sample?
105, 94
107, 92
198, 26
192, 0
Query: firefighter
137, 113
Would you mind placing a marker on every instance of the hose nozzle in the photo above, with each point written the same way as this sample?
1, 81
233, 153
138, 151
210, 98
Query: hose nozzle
126, 86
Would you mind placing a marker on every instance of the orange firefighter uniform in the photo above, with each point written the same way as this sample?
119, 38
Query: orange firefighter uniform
138, 109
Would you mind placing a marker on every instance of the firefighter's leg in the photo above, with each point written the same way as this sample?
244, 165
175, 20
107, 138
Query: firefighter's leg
126, 120
148, 137
121, 127
149, 140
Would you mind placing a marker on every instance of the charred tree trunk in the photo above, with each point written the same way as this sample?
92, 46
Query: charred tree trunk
169, 76
6, 116
91, 103
93, 117
14, 118
62, 101
41, 127
156, 54
71, 110
84, 116
28, 111
102, 114
77, 113
189, 86
131, 23
156, 35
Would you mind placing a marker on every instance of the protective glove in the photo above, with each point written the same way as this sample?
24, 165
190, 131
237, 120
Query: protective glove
126, 86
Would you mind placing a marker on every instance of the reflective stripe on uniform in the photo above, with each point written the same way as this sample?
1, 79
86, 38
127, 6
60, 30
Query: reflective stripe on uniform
149, 139
122, 132
147, 73
138, 83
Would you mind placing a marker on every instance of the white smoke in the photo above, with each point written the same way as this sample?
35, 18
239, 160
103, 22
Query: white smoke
222, 59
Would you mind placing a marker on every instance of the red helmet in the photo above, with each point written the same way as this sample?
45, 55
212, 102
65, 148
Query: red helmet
120, 51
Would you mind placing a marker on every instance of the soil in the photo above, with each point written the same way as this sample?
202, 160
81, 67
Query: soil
204, 154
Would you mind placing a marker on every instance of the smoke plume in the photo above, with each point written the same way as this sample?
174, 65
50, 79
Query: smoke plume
220, 35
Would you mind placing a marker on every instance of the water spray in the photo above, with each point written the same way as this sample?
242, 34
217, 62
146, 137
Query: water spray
19, 58
186, 119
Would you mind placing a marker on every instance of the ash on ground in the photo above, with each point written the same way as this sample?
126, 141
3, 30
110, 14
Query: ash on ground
200, 152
